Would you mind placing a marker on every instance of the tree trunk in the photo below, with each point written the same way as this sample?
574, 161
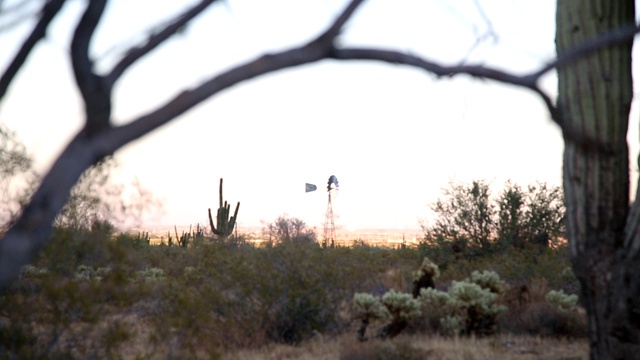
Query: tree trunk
594, 101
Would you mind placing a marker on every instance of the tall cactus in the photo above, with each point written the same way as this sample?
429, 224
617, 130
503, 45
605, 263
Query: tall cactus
225, 223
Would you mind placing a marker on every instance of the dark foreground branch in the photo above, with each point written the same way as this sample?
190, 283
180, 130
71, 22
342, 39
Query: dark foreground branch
134, 54
49, 11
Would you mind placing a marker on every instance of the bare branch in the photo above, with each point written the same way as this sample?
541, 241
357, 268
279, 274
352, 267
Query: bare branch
318, 49
528, 81
17, 13
334, 30
82, 64
612, 38
49, 11
396, 57
488, 34
154, 40
97, 97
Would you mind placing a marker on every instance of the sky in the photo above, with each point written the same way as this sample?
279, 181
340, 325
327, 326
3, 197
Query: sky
393, 136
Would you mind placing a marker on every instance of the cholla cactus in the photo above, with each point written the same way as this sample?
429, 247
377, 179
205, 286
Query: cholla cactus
467, 307
427, 268
401, 306
567, 274
434, 299
29, 271
88, 273
562, 301
466, 295
188, 270
489, 280
151, 274
368, 308
476, 305
424, 276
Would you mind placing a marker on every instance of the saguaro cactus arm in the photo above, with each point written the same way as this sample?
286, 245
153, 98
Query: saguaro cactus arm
225, 223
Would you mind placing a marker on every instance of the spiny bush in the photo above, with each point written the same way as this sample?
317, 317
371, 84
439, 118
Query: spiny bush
466, 308
424, 277
469, 306
475, 306
402, 309
562, 301
88, 273
368, 309
488, 280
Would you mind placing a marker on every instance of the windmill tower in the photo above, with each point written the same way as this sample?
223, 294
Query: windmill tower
329, 236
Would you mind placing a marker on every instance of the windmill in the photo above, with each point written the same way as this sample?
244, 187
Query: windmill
329, 224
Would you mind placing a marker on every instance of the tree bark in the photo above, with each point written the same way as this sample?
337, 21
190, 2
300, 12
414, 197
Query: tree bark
594, 101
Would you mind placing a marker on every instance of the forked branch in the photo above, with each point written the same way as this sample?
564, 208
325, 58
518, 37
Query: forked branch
155, 39
49, 11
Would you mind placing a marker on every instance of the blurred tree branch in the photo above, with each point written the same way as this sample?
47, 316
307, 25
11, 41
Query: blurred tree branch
49, 12
155, 39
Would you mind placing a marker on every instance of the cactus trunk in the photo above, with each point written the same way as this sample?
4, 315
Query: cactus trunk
225, 224
595, 95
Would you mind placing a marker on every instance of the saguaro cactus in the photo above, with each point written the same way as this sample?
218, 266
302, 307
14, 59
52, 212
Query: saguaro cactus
225, 223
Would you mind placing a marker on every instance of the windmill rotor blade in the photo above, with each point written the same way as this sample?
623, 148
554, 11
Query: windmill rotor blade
309, 187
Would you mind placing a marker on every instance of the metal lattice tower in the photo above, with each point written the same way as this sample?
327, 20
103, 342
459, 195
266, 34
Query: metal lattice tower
329, 226
329, 237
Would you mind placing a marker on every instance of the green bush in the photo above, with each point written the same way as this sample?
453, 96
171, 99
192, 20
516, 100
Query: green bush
288, 230
471, 222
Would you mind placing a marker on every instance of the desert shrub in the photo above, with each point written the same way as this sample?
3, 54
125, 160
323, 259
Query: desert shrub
288, 230
465, 217
214, 297
70, 248
295, 293
517, 266
138, 240
531, 217
543, 319
284, 293
470, 222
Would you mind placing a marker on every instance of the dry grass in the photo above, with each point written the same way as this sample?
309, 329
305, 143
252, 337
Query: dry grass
423, 347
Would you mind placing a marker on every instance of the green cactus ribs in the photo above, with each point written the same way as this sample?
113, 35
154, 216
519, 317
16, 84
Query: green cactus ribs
225, 223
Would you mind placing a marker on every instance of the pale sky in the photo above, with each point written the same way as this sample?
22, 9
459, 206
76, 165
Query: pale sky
392, 135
